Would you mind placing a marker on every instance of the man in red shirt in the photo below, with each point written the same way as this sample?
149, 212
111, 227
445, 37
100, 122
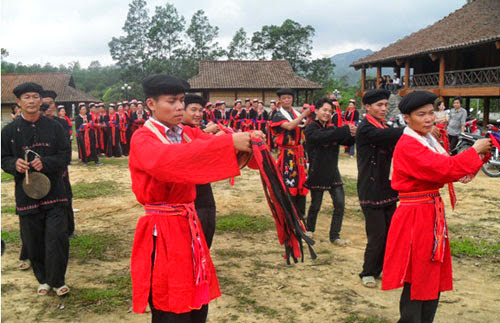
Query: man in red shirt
171, 266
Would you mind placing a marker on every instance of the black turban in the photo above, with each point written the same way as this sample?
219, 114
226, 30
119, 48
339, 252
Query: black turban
193, 98
415, 100
285, 91
159, 84
373, 96
26, 88
49, 94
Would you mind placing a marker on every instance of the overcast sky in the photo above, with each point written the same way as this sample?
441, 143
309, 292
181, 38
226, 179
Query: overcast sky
62, 31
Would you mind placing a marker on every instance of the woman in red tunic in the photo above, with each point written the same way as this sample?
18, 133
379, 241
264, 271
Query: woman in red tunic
418, 252
171, 265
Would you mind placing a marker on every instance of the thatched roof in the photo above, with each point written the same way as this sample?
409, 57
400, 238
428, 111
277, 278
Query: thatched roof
475, 23
61, 83
248, 75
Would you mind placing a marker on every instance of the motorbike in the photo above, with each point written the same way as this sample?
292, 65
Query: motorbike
492, 167
466, 140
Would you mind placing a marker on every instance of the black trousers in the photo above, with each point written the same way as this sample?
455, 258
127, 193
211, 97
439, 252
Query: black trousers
45, 236
416, 311
300, 204
377, 222
338, 199
159, 316
453, 143
207, 219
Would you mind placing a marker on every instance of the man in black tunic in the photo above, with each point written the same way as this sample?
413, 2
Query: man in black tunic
204, 202
44, 224
375, 143
322, 145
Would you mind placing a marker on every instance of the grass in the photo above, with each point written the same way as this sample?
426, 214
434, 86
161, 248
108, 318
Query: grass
115, 296
94, 246
232, 253
9, 209
114, 161
11, 237
7, 177
356, 318
7, 287
243, 296
87, 190
350, 186
240, 222
473, 248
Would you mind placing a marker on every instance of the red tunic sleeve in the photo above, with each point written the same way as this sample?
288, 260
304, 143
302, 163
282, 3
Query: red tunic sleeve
413, 161
201, 161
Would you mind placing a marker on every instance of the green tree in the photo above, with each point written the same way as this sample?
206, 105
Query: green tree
165, 32
289, 41
131, 51
320, 70
202, 36
239, 48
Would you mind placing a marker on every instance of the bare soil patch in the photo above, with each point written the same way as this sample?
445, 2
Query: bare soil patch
256, 284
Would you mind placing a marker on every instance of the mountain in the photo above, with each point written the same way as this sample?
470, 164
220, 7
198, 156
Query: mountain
342, 68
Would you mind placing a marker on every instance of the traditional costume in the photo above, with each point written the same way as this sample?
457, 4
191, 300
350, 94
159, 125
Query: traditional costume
43, 222
114, 148
86, 138
375, 143
291, 161
322, 144
171, 264
418, 252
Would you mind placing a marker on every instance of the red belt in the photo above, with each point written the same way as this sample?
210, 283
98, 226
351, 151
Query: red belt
186, 210
440, 233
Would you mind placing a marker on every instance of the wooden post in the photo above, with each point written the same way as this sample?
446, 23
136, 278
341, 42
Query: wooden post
441, 72
363, 80
307, 96
379, 74
297, 97
407, 74
486, 114
264, 97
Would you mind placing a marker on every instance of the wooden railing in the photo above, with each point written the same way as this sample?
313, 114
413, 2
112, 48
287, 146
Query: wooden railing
489, 76
474, 77
424, 80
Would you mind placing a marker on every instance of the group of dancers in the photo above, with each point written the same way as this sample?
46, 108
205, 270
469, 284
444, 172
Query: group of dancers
107, 132
171, 154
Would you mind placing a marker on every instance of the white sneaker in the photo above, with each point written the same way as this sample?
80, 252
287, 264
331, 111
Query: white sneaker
76, 210
309, 234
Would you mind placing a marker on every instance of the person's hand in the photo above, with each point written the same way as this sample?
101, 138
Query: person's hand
241, 141
352, 129
211, 128
22, 165
436, 133
306, 112
37, 164
483, 146
258, 134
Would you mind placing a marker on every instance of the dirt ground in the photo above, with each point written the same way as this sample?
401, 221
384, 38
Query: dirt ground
255, 283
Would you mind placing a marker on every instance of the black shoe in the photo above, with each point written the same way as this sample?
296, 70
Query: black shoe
99, 164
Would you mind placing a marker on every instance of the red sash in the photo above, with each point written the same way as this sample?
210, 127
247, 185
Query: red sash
375, 122
440, 231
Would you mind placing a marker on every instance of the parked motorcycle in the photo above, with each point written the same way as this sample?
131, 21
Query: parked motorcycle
492, 167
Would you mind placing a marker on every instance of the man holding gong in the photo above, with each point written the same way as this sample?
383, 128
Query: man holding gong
35, 151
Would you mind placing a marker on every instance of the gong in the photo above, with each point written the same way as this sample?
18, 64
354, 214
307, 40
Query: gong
36, 185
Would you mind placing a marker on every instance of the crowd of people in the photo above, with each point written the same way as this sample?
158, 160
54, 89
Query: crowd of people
178, 144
